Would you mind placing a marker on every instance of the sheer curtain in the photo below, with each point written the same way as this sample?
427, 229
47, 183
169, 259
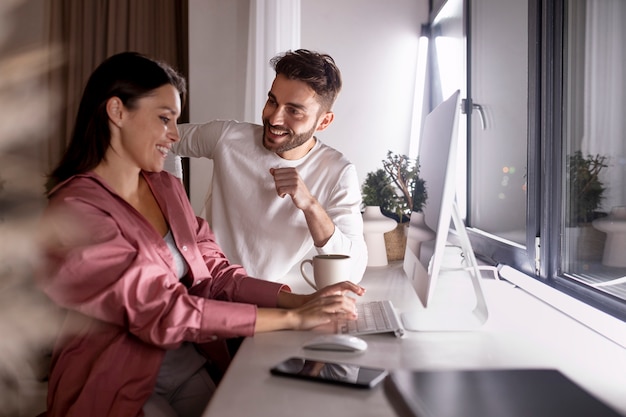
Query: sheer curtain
274, 28
90, 31
605, 94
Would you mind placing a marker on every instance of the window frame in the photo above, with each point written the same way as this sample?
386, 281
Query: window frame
541, 258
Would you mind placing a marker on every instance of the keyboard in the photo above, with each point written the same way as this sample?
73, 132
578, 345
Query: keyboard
374, 317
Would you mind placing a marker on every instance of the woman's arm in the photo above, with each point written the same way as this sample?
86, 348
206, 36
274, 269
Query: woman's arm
300, 312
287, 299
277, 307
327, 305
103, 262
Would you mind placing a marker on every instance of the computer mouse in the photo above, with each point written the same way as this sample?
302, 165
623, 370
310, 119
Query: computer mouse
338, 342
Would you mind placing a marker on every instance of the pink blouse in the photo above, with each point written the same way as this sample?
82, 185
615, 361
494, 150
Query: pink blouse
115, 275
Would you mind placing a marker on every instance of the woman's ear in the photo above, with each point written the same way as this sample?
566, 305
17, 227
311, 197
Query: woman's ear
325, 121
115, 109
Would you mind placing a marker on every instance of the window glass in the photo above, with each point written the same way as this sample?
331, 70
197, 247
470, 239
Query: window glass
594, 158
499, 123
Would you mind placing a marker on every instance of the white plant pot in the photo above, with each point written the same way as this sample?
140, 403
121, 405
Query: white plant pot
614, 225
375, 225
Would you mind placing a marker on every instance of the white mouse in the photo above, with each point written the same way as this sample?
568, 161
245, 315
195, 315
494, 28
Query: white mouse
341, 342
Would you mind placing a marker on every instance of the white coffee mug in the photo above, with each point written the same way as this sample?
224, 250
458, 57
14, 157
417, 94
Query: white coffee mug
327, 270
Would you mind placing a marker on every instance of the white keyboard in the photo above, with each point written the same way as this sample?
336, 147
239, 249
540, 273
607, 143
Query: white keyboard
374, 317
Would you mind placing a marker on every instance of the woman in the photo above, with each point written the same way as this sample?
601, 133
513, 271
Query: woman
145, 285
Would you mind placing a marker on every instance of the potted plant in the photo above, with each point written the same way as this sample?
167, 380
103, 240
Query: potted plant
411, 189
378, 197
378, 191
586, 193
398, 190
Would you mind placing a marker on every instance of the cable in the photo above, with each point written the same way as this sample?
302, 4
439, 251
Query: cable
492, 268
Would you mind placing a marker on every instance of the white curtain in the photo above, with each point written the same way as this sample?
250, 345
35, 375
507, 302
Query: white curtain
605, 94
274, 28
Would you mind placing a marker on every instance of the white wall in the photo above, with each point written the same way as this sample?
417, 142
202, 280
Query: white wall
218, 39
374, 43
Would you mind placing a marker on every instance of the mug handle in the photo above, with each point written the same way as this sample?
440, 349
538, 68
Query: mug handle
304, 275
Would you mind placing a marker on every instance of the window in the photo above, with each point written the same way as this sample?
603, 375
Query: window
546, 141
593, 126
576, 157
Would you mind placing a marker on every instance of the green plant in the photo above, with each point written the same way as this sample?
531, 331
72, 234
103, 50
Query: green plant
397, 188
378, 191
586, 190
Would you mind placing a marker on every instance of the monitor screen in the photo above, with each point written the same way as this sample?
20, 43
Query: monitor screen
437, 169
423, 258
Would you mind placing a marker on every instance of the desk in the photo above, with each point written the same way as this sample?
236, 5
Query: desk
522, 332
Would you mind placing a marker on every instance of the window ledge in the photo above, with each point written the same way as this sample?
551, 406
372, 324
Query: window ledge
598, 321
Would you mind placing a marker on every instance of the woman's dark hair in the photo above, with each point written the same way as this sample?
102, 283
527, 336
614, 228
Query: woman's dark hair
319, 71
129, 76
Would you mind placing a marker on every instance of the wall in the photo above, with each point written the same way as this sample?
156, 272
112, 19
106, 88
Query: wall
218, 39
374, 43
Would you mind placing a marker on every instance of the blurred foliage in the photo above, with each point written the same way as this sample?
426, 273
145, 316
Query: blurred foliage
29, 322
586, 190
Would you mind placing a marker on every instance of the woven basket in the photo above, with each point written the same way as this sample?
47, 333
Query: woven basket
395, 242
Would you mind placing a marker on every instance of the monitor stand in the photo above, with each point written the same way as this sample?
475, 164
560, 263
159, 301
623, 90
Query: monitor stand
452, 306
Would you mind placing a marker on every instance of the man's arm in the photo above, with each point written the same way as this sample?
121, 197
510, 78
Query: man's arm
173, 164
198, 140
288, 182
341, 230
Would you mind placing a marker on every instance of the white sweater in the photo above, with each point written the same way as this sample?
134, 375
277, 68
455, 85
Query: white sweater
256, 228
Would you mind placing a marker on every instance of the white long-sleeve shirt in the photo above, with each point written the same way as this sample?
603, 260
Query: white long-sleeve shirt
267, 234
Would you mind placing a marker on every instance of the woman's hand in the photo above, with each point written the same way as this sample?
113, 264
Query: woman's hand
289, 300
327, 305
340, 288
325, 309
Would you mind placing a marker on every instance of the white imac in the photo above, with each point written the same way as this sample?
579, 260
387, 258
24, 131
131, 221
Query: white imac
466, 309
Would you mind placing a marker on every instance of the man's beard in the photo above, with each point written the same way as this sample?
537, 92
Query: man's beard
292, 140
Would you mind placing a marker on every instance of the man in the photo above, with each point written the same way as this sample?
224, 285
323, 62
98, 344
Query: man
277, 190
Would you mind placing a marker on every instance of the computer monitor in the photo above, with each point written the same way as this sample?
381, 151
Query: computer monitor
423, 260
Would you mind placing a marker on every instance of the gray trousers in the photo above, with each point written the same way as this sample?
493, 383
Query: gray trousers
183, 387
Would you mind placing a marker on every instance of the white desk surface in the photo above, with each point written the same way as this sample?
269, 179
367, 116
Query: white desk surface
522, 332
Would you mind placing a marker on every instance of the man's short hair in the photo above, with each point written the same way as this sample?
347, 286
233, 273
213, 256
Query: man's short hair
318, 70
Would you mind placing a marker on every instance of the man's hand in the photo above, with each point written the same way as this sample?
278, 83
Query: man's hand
288, 182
